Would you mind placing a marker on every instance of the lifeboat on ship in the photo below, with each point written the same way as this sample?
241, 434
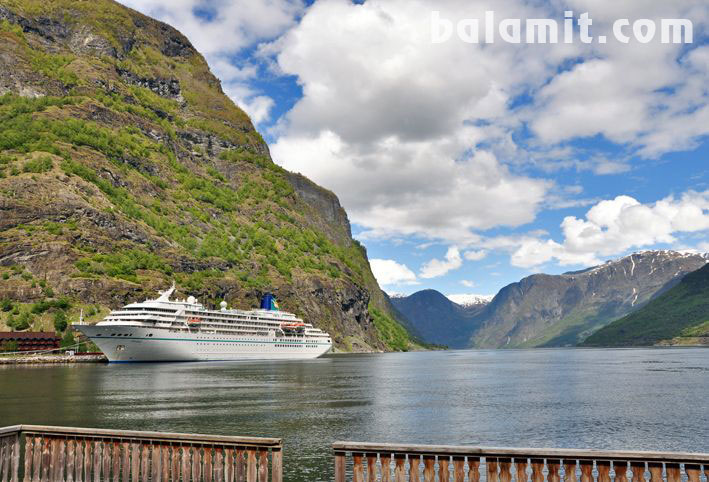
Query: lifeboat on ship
293, 327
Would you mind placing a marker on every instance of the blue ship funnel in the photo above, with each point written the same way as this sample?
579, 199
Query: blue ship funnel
268, 302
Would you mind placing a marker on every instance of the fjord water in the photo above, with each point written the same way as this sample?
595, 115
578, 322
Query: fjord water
622, 399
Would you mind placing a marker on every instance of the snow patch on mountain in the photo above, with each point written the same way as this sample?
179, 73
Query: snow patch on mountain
470, 299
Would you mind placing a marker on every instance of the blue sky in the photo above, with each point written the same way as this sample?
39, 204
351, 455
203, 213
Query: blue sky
464, 167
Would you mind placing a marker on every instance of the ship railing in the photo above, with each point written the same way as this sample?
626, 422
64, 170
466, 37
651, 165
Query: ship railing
370, 462
33, 453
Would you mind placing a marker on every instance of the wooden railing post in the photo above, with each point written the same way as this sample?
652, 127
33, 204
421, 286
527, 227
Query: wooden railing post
429, 471
569, 471
692, 472
586, 470
357, 468
276, 465
371, 467
604, 470
537, 470
459, 469
673, 473
340, 466
399, 468
553, 466
621, 471
638, 469
474, 469
491, 464
15, 452
655, 471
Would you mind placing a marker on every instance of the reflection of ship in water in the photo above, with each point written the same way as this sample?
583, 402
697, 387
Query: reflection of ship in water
184, 330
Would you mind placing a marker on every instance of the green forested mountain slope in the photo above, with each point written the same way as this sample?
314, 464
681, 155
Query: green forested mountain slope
679, 316
124, 166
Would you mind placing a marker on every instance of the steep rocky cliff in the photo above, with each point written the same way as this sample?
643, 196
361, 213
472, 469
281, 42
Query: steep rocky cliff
124, 166
545, 310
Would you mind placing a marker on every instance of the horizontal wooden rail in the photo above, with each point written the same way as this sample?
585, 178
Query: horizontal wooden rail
83, 455
444, 463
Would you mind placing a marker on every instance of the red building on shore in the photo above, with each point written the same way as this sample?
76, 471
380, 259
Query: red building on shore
29, 340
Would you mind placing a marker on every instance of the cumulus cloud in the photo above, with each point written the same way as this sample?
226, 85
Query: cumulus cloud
614, 226
419, 138
389, 272
388, 120
611, 94
394, 188
439, 267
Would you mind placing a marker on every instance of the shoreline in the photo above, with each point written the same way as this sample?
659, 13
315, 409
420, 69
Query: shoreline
51, 359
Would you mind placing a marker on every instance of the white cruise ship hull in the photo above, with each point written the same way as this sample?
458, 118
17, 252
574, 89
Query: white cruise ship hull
134, 344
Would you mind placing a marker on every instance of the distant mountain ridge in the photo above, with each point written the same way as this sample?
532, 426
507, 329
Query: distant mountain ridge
563, 310
679, 316
548, 310
437, 319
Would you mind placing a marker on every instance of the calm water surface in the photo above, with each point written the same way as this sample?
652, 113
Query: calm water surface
623, 399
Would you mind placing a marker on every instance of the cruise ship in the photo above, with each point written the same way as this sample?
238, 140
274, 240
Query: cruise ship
165, 330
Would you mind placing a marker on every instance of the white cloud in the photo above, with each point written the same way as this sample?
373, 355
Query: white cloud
389, 272
703, 247
385, 120
610, 93
475, 255
394, 188
439, 267
468, 283
614, 226
414, 137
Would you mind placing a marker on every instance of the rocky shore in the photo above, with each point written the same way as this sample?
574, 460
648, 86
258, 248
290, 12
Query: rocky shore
51, 359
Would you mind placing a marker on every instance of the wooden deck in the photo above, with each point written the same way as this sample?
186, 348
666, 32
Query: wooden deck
37, 453
361, 462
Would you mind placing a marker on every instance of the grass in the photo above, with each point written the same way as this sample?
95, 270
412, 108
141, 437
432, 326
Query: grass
390, 332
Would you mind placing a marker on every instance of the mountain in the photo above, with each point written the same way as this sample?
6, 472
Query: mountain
679, 316
437, 319
123, 166
562, 310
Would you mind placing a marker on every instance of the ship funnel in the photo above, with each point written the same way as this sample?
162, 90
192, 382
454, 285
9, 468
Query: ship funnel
268, 302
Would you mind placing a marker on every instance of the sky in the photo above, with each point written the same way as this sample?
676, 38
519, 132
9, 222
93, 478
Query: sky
465, 166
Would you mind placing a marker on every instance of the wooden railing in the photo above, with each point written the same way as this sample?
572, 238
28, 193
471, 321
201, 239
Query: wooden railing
415, 463
83, 455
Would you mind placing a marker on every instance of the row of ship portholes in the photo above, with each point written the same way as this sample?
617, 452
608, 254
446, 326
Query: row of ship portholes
124, 334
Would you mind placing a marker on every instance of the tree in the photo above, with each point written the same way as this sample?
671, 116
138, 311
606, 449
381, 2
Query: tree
68, 340
60, 321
